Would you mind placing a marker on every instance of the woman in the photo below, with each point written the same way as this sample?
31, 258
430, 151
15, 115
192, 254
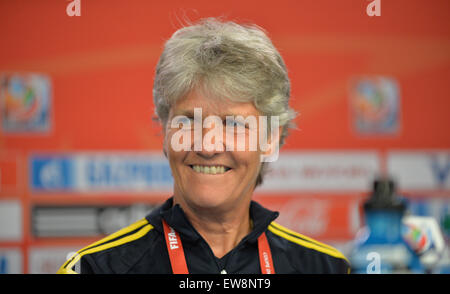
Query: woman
216, 84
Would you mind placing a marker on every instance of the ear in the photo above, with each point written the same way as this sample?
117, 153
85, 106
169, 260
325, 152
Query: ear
273, 146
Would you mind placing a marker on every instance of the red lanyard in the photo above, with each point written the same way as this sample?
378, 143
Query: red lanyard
178, 260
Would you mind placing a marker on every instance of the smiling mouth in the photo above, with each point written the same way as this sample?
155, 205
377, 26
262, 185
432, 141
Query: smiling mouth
210, 169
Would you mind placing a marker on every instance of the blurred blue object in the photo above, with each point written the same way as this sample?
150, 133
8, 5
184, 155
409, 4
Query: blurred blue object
380, 246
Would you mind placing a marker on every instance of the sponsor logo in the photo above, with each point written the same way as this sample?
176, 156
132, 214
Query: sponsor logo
375, 105
84, 221
52, 173
266, 262
322, 171
25, 103
47, 260
100, 173
329, 217
420, 170
309, 216
440, 168
173, 240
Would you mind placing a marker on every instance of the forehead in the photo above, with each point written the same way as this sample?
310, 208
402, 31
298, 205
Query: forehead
212, 106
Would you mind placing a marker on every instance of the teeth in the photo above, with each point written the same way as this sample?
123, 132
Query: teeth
211, 170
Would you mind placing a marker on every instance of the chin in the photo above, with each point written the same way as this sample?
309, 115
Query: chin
208, 198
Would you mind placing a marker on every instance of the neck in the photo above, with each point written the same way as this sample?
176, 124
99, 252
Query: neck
221, 229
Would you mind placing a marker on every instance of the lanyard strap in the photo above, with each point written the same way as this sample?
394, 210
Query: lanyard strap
265, 255
178, 260
175, 248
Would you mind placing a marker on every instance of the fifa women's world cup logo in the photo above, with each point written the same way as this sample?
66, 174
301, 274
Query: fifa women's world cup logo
25, 103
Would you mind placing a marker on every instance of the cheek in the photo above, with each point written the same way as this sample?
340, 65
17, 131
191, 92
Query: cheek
174, 157
249, 161
179, 139
241, 141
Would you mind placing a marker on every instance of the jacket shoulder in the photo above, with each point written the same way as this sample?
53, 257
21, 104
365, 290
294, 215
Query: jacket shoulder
316, 257
115, 241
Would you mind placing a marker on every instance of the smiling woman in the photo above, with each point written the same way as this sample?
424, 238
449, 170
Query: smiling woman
230, 191
211, 74
224, 61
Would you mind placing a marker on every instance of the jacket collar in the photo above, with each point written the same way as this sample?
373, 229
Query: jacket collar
176, 218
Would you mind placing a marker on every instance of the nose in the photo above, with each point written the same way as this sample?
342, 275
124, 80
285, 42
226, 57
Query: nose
207, 154
209, 141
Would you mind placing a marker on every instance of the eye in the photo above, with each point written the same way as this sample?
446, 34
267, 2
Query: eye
182, 121
234, 123
185, 120
235, 126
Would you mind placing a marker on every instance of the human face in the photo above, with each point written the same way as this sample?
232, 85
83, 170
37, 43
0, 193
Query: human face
236, 171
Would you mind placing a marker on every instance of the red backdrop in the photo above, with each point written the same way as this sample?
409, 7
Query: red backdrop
101, 66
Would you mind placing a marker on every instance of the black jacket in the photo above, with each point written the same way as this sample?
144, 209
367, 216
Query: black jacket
141, 248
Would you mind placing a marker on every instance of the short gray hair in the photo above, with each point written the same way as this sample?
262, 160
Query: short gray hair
227, 60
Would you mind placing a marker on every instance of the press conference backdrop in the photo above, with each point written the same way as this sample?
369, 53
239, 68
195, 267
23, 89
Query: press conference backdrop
80, 156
